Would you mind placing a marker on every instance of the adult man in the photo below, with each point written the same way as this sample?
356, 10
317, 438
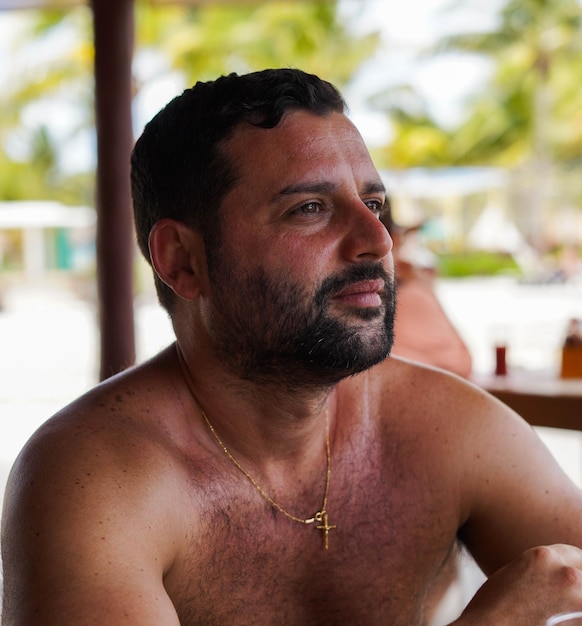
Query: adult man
262, 470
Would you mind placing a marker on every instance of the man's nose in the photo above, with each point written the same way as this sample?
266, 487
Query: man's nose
366, 238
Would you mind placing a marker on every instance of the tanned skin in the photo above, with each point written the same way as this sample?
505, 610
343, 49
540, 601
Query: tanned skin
124, 510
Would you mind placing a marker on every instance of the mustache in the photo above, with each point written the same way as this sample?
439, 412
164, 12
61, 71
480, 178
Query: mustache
351, 275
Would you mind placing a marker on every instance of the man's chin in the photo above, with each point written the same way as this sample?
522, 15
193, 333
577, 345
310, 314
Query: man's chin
359, 314
370, 314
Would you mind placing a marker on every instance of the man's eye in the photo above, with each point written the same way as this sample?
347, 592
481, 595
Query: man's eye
374, 205
310, 208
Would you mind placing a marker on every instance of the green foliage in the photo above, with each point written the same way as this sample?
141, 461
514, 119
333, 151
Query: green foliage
44, 74
476, 263
204, 42
40, 74
38, 176
530, 107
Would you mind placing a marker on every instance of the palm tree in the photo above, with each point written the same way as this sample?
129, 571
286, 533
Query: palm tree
529, 114
536, 47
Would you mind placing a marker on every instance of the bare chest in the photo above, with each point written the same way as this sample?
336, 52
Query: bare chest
389, 531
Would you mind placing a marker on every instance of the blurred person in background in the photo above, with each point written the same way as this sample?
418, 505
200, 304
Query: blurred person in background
423, 331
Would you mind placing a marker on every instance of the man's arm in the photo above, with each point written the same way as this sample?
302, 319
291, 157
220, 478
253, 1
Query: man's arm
517, 502
515, 494
541, 582
85, 539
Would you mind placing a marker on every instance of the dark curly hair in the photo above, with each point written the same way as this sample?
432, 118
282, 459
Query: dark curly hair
178, 169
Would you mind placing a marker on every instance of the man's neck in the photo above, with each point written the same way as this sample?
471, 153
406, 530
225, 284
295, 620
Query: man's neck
270, 422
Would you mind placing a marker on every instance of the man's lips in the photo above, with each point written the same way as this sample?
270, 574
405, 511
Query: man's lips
366, 293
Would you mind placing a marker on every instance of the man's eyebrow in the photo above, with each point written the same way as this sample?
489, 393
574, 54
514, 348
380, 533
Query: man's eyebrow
322, 187
327, 187
374, 187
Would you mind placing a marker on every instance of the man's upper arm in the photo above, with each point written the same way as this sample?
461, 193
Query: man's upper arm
516, 494
82, 542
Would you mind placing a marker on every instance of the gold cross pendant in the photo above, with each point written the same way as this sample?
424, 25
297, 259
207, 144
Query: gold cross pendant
324, 526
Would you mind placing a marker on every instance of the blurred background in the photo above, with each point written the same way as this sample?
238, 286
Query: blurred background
472, 111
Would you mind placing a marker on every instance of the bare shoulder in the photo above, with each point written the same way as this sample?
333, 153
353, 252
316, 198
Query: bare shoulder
442, 420
89, 499
444, 408
435, 396
111, 416
512, 495
113, 439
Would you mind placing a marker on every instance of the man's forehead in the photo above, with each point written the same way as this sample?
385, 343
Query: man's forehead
301, 140
295, 123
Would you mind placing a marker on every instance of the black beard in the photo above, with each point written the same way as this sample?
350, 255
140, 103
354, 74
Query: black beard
268, 329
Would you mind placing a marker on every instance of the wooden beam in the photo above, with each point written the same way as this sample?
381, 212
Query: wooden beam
543, 410
114, 35
541, 398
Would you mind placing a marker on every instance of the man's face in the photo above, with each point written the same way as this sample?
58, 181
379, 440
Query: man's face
301, 287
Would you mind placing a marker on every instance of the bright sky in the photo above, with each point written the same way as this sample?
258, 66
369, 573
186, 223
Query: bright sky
407, 28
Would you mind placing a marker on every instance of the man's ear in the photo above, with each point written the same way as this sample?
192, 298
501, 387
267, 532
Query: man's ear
177, 254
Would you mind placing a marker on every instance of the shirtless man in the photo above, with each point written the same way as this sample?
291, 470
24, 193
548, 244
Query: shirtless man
273, 466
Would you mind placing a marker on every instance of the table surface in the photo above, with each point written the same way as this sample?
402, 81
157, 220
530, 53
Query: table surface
541, 398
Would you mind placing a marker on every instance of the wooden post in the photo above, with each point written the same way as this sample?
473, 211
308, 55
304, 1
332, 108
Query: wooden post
113, 36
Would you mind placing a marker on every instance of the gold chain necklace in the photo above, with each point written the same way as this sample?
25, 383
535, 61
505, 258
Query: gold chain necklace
320, 517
